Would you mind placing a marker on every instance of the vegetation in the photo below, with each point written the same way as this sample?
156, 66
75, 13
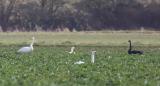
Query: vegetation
52, 66
109, 38
80, 15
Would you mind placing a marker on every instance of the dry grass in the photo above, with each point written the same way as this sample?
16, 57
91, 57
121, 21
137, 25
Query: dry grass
111, 38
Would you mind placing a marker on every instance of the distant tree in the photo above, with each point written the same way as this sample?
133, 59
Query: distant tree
6, 8
48, 15
111, 13
49, 12
99, 12
151, 16
128, 13
25, 16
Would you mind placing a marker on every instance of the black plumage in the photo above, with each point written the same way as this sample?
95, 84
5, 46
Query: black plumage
130, 51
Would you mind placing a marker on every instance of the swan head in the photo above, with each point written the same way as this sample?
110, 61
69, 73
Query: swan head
93, 52
72, 48
129, 40
32, 41
33, 38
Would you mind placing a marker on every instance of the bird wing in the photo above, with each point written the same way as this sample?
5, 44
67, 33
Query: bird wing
25, 49
79, 62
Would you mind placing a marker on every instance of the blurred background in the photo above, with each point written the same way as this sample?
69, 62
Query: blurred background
79, 15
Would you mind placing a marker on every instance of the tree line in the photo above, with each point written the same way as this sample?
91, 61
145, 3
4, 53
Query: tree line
80, 15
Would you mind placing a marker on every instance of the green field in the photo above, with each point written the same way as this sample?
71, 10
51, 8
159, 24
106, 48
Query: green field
51, 65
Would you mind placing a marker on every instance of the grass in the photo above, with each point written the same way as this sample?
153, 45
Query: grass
81, 38
51, 66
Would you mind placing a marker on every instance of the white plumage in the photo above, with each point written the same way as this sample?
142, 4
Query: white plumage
93, 56
72, 50
27, 49
79, 62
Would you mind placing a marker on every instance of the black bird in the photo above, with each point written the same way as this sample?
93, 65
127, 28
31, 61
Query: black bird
130, 51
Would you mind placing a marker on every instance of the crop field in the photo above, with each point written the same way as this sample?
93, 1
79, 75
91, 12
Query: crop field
50, 64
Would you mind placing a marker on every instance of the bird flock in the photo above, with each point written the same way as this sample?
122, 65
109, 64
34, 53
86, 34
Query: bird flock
28, 49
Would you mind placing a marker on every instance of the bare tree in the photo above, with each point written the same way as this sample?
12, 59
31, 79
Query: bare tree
49, 12
6, 8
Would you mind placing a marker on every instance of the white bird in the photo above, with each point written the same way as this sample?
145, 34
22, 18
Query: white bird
93, 56
72, 50
28, 48
79, 62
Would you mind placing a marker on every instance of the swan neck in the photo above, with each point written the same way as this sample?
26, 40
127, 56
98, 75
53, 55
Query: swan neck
130, 46
32, 43
31, 46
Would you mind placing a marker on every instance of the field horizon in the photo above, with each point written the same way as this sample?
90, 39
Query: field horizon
90, 38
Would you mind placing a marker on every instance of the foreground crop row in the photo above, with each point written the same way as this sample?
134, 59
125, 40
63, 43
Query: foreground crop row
52, 66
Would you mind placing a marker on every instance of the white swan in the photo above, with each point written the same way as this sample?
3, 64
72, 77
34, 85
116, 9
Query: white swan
28, 48
79, 62
93, 56
72, 50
